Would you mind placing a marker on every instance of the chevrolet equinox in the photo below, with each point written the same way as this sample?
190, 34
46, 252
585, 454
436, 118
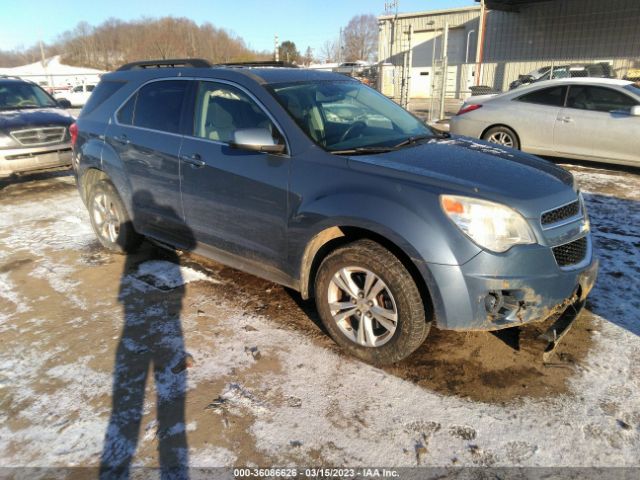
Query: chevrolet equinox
320, 183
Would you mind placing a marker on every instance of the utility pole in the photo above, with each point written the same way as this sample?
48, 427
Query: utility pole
276, 48
480, 47
44, 65
340, 47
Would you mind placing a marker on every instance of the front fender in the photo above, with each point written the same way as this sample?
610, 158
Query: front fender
427, 240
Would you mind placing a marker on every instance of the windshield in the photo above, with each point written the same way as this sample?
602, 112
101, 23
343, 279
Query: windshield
16, 95
347, 115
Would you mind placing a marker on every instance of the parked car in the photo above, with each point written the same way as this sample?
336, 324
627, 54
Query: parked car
390, 226
600, 70
584, 118
77, 95
34, 128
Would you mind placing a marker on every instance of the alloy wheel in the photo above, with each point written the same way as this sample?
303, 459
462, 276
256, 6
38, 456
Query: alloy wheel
501, 138
105, 216
362, 306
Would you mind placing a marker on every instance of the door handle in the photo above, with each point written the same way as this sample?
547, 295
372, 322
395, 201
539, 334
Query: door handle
566, 119
194, 161
123, 139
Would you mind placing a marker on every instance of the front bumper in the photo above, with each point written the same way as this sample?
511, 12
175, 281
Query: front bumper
29, 159
523, 285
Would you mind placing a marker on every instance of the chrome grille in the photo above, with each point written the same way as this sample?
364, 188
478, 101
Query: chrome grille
39, 136
571, 253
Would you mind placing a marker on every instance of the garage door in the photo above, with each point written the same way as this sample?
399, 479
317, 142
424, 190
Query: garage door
422, 69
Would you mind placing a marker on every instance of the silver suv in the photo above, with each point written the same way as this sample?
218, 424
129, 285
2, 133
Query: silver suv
34, 128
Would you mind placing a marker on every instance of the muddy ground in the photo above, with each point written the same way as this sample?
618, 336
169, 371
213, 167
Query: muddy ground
168, 356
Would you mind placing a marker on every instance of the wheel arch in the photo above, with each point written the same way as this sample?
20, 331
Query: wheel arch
331, 238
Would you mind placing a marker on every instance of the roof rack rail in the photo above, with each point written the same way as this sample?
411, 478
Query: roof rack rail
169, 63
258, 63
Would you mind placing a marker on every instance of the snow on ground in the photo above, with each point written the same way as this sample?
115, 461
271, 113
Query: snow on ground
258, 393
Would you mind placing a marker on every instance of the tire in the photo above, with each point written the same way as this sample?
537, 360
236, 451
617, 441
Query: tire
502, 136
110, 221
380, 342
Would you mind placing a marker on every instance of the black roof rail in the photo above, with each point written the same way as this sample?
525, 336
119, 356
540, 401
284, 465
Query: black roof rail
169, 63
258, 63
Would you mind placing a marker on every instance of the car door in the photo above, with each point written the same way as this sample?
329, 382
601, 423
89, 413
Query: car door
146, 136
234, 200
534, 115
576, 125
592, 123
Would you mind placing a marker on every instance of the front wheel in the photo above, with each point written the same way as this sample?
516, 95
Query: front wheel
502, 136
110, 220
370, 304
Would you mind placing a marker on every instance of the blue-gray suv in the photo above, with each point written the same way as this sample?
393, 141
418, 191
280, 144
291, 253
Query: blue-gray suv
318, 182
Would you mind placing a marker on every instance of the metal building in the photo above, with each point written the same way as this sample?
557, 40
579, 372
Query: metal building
430, 59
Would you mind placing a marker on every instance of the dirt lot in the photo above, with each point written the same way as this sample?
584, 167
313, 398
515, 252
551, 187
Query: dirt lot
167, 355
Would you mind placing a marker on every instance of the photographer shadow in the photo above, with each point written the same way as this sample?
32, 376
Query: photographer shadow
151, 293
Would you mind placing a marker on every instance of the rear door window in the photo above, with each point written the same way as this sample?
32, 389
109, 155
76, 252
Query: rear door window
552, 96
598, 99
159, 105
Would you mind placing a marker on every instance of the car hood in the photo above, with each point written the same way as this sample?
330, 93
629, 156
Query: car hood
37, 117
480, 169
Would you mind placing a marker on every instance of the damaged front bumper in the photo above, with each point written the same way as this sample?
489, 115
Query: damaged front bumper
523, 285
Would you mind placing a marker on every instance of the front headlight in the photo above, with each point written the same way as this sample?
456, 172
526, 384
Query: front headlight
6, 141
491, 225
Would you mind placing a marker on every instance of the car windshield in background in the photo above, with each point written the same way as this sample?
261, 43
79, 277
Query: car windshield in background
14, 95
348, 116
633, 88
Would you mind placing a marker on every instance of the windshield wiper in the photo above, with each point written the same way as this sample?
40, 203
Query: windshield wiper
362, 150
414, 139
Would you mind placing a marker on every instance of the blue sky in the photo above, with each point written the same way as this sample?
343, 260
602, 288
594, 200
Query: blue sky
306, 22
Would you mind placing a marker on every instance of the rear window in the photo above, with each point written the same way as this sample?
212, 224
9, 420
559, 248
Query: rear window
553, 96
104, 90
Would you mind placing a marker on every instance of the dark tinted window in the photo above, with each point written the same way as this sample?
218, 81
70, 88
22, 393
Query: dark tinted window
159, 105
599, 99
125, 114
222, 109
553, 96
100, 94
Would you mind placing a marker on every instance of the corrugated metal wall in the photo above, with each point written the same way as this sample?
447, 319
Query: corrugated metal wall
557, 32
561, 32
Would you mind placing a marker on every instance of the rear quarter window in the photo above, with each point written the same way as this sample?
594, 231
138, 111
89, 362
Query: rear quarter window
552, 96
104, 90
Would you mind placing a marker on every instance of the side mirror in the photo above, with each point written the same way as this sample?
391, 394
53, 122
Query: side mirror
64, 103
256, 140
635, 111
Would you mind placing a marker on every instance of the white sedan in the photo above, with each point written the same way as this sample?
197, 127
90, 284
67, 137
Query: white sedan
584, 118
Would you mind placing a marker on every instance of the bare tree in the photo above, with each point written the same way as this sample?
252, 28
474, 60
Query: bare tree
115, 42
360, 38
329, 51
308, 56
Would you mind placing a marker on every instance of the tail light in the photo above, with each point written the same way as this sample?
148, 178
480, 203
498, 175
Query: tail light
469, 108
73, 131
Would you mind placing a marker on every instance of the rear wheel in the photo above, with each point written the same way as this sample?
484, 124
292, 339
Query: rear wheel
502, 136
370, 304
110, 220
